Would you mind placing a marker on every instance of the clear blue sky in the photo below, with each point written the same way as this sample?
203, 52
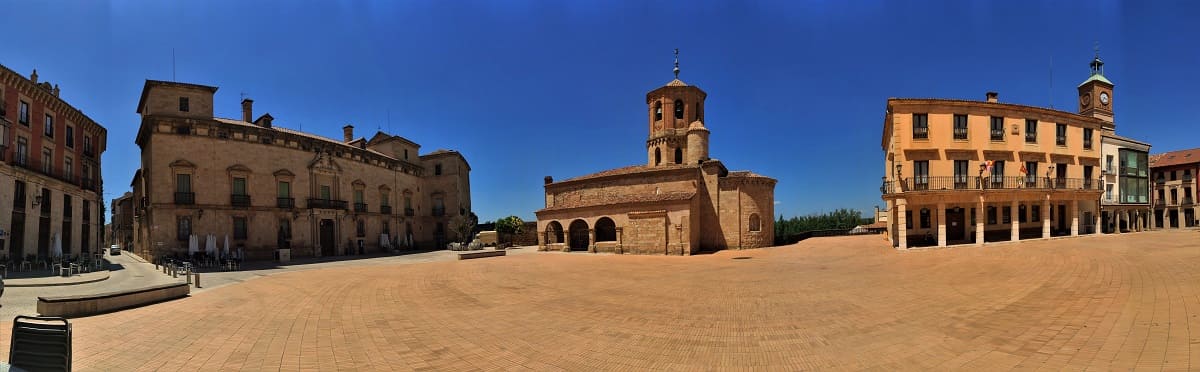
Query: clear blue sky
527, 89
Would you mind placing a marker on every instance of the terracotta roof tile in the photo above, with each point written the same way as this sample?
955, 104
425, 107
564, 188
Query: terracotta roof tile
627, 170
622, 199
1175, 158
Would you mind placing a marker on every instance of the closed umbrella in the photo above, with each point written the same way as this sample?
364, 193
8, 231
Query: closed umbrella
226, 245
57, 252
384, 241
192, 244
211, 246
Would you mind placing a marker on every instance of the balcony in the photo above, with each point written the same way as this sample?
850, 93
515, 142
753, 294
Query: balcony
285, 203
438, 212
1159, 203
90, 184
1030, 137
1060, 141
360, 207
1187, 200
88, 152
1186, 177
947, 183
997, 134
385, 209
408, 212
1087, 144
921, 133
185, 198
240, 201
960, 133
326, 204
3, 150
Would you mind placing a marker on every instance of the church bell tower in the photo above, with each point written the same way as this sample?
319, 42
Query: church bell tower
1096, 93
676, 109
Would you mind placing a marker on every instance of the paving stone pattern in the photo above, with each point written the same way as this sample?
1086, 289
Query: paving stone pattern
1101, 303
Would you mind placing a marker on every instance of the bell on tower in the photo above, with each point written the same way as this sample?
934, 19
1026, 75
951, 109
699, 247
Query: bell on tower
673, 108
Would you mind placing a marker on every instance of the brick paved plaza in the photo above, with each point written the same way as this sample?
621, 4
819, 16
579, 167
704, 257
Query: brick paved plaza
1108, 302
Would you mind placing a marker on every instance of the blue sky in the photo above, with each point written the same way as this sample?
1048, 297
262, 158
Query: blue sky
526, 89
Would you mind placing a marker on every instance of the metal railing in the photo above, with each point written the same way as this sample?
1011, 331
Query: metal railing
89, 184
960, 133
185, 198
438, 212
285, 203
314, 203
922, 183
1030, 137
239, 200
1187, 178
88, 152
920, 132
1060, 140
997, 134
409, 212
360, 207
1187, 200
385, 209
1160, 202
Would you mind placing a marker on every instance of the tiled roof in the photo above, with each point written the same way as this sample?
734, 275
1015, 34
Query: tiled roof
622, 199
627, 170
677, 83
1175, 158
745, 174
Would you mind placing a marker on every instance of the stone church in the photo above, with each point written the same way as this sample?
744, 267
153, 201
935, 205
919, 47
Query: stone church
680, 202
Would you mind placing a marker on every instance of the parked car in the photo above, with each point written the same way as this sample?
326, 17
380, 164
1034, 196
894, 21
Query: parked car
114, 250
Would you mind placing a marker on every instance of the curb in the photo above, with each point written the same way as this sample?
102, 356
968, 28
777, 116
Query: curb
107, 274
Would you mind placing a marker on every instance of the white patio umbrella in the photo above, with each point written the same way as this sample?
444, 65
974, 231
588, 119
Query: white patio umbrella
384, 241
57, 247
193, 244
211, 245
226, 245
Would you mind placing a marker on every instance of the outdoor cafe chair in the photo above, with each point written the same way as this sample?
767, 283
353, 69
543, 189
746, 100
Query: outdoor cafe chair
40, 344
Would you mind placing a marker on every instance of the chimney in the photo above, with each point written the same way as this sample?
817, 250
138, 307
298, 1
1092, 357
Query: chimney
55, 90
548, 180
33, 77
993, 97
348, 133
247, 110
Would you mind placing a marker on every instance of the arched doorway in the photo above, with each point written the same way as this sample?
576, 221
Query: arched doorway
554, 233
606, 230
579, 235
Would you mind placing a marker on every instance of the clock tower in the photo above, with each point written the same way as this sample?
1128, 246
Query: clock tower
1096, 93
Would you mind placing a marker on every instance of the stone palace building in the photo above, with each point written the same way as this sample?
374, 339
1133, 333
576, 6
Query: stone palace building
274, 190
680, 203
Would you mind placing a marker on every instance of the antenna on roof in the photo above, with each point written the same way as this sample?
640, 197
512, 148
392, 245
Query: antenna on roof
676, 63
173, 65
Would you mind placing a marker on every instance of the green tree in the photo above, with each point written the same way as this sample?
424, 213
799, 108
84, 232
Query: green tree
464, 225
510, 225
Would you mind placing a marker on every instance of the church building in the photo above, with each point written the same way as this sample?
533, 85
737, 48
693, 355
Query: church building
679, 203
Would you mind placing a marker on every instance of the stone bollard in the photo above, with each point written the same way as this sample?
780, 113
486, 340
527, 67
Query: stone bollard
174, 272
197, 280
188, 275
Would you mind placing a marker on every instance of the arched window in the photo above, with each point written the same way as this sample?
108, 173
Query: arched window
554, 233
755, 222
606, 230
657, 156
678, 109
658, 111
678, 155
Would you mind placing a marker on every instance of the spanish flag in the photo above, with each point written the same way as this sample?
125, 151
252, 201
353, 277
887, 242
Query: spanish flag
1023, 171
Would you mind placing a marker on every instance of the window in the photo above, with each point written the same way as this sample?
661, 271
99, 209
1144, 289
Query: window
183, 104
439, 206
920, 126
239, 228
70, 136
407, 201
1060, 134
755, 223
284, 189
325, 193
1007, 214
68, 168
991, 215
1087, 138
1021, 213
48, 124
960, 127
23, 117
960, 173
908, 220
358, 196
47, 161
437, 169
657, 111
998, 174
921, 174
383, 199
405, 154
87, 145
183, 227
239, 186
1109, 167
1108, 192
285, 229
678, 109
1031, 173
1172, 175
997, 128
22, 151
360, 228
678, 155
87, 172
1035, 213
657, 156
924, 218
1030, 131
1087, 177
183, 182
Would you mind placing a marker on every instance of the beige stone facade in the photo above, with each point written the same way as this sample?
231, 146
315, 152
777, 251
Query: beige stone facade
1176, 176
50, 184
969, 172
680, 203
271, 188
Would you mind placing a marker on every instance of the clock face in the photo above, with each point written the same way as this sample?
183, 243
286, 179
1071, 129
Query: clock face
1104, 98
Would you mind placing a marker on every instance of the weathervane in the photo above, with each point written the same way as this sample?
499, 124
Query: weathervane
676, 63
1097, 48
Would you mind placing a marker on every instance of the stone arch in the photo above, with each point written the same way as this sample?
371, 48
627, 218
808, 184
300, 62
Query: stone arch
755, 222
606, 230
679, 109
658, 110
579, 235
657, 156
554, 233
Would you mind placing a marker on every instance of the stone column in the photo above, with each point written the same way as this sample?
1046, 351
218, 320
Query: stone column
1074, 218
1046, 219
1016, 222
941, 224
901, 222
592, 240
542, 237
980, 218
1182, 223
620, 240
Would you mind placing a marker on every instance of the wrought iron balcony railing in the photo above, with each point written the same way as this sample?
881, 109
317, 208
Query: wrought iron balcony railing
409, 212
285, 203
385, 209
90, 184
920, 132
924, 183
438, 212
239, 200
360, 207
315, 203
1187, 200
185, 198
